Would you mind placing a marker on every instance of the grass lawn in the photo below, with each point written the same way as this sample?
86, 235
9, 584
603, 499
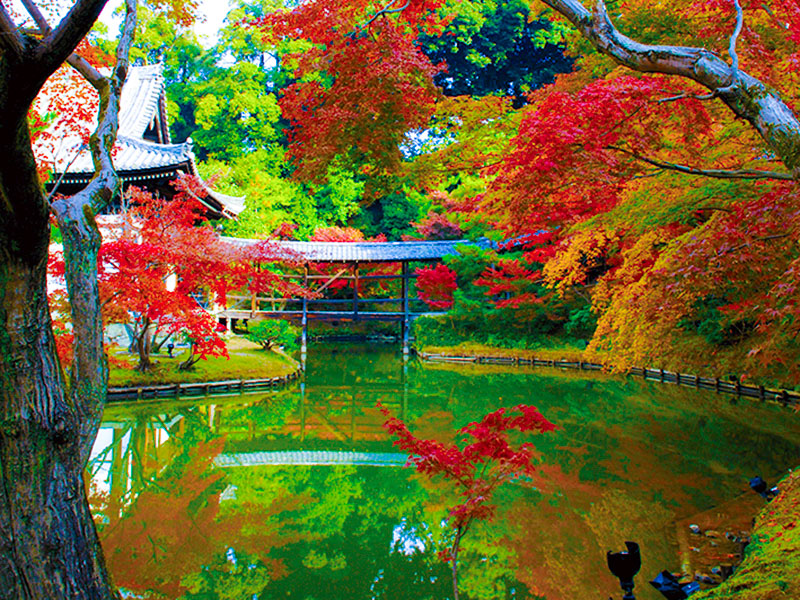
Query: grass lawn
247, 361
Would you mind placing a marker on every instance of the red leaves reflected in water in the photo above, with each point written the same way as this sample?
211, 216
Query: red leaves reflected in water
484, 459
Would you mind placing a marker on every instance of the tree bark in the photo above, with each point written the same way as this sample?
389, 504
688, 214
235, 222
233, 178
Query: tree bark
745, 95
48, 544
49, 547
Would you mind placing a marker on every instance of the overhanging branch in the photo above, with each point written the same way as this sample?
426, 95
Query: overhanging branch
386, 10
732, 49
745, 95
80, 64
58, 43
10, 37
712, 173
82, 241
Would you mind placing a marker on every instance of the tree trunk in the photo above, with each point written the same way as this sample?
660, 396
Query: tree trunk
190, 361
49, 547
48, 544
143, 347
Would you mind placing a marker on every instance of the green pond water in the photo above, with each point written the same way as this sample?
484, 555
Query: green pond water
300, 494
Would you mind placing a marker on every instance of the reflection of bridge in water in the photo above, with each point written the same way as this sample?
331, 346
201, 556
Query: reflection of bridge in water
314, 458
334, 425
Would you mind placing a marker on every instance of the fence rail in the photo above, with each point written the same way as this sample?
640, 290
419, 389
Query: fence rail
204, 388
715, 384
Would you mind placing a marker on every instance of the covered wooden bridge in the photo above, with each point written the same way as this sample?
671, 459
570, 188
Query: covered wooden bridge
356, 281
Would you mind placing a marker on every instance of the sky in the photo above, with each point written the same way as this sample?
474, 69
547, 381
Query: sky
214, 12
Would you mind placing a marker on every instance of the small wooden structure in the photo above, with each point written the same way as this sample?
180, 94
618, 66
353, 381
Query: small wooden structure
358, 264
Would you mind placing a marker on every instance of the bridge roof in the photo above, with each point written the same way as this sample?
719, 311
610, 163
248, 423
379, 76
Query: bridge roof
370, 251
368, 459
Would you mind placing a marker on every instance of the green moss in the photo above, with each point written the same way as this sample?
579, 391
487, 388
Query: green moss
771, 568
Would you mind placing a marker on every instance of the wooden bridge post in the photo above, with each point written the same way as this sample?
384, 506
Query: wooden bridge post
304, 318
355, 291
406, 319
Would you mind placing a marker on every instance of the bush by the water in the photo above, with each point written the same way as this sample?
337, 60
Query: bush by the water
273, 333
476, 321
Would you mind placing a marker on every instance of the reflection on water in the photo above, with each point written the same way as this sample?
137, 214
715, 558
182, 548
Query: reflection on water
300, 494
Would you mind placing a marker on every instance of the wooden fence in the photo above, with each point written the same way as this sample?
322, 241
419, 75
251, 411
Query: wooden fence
715, 384
204, 388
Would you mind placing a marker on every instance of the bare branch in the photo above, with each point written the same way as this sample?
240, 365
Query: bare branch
37, 16
736, 32
84, 67
713, 208
54, 191
686, 95
386, 10
742, 246
712, 173
59, 43
9, 34
732, 50
780, 23
82, 243
79, 63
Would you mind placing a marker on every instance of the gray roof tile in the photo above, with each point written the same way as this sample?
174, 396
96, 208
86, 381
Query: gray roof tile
369, 251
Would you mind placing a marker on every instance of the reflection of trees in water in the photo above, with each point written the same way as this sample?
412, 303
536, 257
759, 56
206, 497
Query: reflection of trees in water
172, 524
628, 460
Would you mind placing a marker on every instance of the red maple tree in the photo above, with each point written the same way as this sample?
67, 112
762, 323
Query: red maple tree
435, 285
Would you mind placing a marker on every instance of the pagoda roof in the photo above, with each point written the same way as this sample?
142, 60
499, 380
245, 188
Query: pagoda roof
137, 155
144, 150
142, 101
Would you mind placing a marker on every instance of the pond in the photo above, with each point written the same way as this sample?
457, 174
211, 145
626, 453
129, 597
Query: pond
299, 493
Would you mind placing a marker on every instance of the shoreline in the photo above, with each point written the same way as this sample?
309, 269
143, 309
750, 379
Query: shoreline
783, 396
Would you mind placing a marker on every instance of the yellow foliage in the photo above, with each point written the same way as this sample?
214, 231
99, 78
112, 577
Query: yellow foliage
579, 257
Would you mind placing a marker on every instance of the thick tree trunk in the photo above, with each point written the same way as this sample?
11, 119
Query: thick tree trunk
49, 547
48, 544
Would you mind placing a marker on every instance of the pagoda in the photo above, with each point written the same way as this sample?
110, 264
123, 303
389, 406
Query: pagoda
145, 155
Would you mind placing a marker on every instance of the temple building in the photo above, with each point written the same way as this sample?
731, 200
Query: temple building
145, 155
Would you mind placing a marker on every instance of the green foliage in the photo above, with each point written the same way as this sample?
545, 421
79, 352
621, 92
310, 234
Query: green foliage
494, 48
272, 333
468, 264
271, 199
338, 198
55, 234
581, 322
713, 324
393, 214
475, 320
235, 113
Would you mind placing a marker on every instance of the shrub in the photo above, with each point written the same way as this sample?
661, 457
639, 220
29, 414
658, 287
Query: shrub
271, 333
